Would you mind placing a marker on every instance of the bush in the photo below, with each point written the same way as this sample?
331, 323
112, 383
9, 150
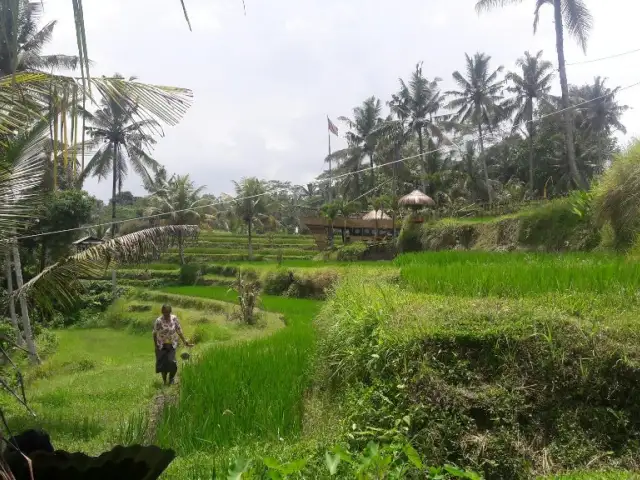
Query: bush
46, 343
189, 274
409, 239
558, 225
277, 282
352, 252
617, 202
315, 285
222, 270
503, 386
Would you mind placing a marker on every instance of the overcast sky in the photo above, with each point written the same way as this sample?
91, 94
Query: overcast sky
263, 83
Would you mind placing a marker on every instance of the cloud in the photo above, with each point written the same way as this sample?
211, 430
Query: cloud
264, 82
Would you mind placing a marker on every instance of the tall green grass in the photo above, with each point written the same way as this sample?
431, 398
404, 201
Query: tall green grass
518, 274
247, 391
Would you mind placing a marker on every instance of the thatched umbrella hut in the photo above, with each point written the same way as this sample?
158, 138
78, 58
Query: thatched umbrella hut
376, 215
416, 200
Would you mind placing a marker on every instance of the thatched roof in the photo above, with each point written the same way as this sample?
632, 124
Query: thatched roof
376, 214
415, 199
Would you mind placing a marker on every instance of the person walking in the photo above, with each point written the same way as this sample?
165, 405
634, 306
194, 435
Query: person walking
166, 331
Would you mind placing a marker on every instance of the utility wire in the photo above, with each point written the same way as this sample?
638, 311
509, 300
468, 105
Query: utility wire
372, 167
603, 58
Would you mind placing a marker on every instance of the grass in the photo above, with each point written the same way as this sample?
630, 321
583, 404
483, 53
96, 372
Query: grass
244, 392
96, 389
518, 274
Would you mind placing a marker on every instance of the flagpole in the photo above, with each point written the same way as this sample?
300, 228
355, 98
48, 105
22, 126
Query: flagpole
330, 176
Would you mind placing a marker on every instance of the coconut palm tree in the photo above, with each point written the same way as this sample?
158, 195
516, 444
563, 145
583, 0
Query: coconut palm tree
330, 211
121, 139
479, 100
417, 103
361, 129
530, 88
349, 163
182, 203
599, 114
250, 204
576, 18
24, 53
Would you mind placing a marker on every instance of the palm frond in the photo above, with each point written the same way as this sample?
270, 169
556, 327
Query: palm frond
578, 20
485, 5
59, 283
536, 15
21, 175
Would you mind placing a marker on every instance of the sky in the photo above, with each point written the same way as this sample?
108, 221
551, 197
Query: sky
264, 82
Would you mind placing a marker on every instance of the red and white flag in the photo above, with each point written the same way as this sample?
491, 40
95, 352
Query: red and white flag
332, 128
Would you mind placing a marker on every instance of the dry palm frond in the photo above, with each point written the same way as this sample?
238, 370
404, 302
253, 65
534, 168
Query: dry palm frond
59, 283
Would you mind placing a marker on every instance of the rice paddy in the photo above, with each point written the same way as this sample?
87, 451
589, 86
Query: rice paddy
247, 390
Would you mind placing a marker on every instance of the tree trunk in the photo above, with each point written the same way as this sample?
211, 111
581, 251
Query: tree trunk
394, 191
531, 133
113, 210
485, 170
114, 190
26, 322
181, 248
250, 244
373, 171
564, 86
422, 162
12, 301
331, 234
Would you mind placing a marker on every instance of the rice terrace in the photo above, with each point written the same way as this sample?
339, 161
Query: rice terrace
451, 291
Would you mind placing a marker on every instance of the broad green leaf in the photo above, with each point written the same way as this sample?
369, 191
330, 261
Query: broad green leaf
332, 462
294, 467
238, 468
272, 463
413, 456
341, 452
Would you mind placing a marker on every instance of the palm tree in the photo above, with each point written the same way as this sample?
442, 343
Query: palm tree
121, 139
417, 103
349, 162
183, 204
532, 86
479, 101
330, 211
250, 204
24, 53
599, 113
362, 128
575, 16
22, 160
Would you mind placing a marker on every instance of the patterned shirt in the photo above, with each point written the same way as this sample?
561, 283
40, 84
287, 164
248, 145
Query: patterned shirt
167, 331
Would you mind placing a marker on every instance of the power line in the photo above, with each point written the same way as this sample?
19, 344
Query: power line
372, 167
603, 58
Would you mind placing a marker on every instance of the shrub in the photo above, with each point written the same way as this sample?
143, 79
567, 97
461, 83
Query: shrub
46, 343
277, 282
314, 285
502, 386
248, 291
223, 270
616, 198
409, 239
189, 274
352, 252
